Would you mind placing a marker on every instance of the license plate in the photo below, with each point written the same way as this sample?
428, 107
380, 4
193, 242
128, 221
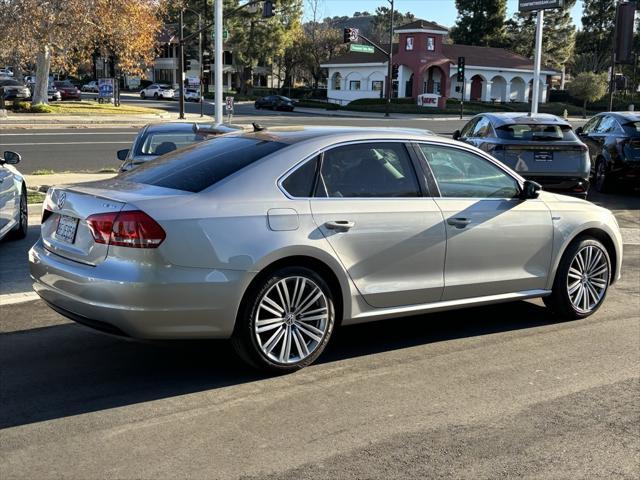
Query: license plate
543, 156
66, 230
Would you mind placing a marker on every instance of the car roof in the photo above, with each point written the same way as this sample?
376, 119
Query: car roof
515, 118
170, 127
298, 134
623, 116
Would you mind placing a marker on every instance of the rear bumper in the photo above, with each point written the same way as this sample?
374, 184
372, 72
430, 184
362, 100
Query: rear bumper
567, 185
154, 302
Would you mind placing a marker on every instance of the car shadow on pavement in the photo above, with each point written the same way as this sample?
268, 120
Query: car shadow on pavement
67, 369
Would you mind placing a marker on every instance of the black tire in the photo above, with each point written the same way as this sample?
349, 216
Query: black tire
559, 301
155, 96
602, 177
21, 229
257, 106
245, 339
142, 95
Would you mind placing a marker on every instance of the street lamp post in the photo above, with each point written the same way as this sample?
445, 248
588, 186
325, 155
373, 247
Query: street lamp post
218, 60
181, 66
390, 69
535, 95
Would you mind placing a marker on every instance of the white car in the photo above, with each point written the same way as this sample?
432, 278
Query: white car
157, 90
13, 198
92, 86
191, 95
6, 72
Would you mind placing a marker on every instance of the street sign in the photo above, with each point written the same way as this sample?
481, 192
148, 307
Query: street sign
356, 47
533, 5
229, 104
225, 35
428, 100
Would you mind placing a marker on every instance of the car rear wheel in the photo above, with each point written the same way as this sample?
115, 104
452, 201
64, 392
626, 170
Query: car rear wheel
155, 95
582, 280
142, 95
603, 180
286, 321
22, 227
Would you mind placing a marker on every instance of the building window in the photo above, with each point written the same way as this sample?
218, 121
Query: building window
163, 75
377, 85
354, 85
431, 44
337, 81
409, 44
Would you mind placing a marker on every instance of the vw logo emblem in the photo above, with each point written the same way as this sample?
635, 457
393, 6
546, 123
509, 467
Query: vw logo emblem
61, 199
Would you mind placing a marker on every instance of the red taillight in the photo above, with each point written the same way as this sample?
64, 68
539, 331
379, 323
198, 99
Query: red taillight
133, 229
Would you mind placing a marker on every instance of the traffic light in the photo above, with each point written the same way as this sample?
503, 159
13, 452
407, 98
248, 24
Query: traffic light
625, 20
620, 82
394, 71
267, 9
460, 70
350, 35
187, 64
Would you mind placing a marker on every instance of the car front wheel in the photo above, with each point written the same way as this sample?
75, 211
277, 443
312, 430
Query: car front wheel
286, 320
582, 280
142, 95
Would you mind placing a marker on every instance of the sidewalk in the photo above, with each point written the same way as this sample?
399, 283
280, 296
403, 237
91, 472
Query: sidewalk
43, 182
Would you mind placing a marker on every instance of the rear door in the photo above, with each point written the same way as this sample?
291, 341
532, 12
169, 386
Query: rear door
371, 208
496, 243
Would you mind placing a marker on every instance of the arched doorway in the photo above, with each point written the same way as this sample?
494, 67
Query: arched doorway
434, 81
518, 88
498, 89
476, 88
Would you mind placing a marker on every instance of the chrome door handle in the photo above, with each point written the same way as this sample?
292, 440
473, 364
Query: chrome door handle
459, 222
340, 224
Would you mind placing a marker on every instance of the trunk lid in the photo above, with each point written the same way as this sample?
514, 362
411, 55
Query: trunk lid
551, 158
65, 230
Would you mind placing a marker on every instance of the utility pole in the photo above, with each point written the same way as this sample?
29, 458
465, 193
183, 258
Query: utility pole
390, 69
218, 60
181, 67
536, 69
613, 60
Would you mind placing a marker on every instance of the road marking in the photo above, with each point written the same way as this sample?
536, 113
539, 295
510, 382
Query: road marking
61, 143
22, 297
66, 133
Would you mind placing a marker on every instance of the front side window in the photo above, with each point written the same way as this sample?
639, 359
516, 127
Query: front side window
380, 169
607, 125
482, 128
468, 128
591, 125
461, 174
354, 85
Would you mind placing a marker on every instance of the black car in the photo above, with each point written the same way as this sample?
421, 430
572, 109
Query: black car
275, 102
613, 139
540, 147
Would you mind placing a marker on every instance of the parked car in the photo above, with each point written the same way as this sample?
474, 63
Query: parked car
158, 139
541, 147
190, 95
613, 139
157, 90
13, 198
92, 86
276, 237
275, 102
6, 72
68, 90
14, 90
53, 94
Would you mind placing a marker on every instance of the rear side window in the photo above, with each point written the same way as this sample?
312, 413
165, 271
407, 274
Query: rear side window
536, 132
632, 128
367, 170
300, 182
165, 142
203, 164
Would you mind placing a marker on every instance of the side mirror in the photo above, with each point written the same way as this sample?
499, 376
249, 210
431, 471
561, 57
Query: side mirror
579, 131
530, 190
11, 158
456, 135
122, 154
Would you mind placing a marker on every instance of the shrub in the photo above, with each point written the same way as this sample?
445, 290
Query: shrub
22, 107
41, 108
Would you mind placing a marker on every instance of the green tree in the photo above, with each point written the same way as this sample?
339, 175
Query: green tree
480, 22
588, 87
558, 40
594, 41
380, 24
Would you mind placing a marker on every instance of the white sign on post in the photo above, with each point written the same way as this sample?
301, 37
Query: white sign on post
229, 104
428, 100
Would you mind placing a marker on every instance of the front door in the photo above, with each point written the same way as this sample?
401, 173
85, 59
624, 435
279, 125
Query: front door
389, 237
496, 242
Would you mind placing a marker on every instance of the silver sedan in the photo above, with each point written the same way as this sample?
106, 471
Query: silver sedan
13, 198
274, 238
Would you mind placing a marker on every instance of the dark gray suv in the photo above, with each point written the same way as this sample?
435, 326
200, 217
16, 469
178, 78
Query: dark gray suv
541, 147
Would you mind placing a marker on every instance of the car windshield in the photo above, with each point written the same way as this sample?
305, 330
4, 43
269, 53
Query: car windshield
165, 87
204, 164
535, 132
9, 83
160, 143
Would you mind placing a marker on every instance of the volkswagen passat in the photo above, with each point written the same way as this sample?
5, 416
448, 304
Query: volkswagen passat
273, 238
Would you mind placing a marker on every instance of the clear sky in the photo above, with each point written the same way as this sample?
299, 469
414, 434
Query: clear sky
440, 11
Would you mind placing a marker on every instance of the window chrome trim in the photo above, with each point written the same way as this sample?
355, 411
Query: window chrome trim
321, 151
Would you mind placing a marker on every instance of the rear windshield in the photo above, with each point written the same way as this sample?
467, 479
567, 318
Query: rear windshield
535, 132
632, 128
161, 143
203, 164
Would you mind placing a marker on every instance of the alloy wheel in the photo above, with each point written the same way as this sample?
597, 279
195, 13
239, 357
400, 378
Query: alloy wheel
291, 320
588, 278
601, 175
